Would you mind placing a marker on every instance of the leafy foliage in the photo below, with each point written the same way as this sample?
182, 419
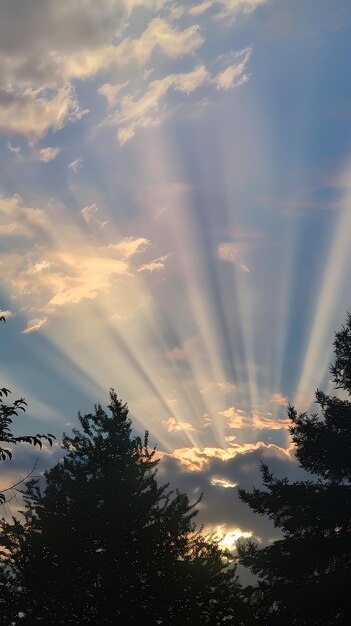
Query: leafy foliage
103, 543
304, 578
7, 413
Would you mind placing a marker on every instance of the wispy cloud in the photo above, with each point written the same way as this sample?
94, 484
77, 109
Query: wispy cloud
48, 154
154, 266
173, 425
230, 10
47, 273
234, 75
224, 386
233, 252
35, 325
44, 155
76, 164
6, 313
159, 35
15, 150
238, 419
32, 113
111, 92
144, 111
279, 398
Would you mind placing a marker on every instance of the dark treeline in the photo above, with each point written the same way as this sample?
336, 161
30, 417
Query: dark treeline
101, 542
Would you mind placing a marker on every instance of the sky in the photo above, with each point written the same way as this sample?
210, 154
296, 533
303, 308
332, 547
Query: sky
175, 222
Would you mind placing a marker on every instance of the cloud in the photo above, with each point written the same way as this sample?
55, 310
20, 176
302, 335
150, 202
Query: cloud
110, 92
232, 252
154, 266
237, 418
221, 482
159, 35
191, 346
16, 219
6, 313
231, 9
228, 10
195, 459
278, 398
32, 113
228, 537
200, 8
36, 48
48, 154
77, 164
145, 110
229, 251
234, 75
72, 277
129, 246
210, 471
15, 150
173, 43
224, 386
135, 112
207, 421
173, 425
231, 77
63, 277
57, 265
56, 45
34, 325
266, 421
88, 212
44, 155
126, 133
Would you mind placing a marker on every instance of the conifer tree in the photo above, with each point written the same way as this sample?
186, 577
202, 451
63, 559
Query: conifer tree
103, 543
305, 577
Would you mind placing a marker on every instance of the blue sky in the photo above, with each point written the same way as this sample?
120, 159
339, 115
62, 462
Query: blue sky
175, 193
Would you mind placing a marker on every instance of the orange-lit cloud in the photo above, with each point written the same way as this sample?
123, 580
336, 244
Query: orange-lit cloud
59, 265
224, 386
173, 425
278, 398
227, 536
196, 459
237, 418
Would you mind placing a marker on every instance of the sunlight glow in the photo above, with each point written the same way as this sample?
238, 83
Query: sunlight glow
221, 482
228, 538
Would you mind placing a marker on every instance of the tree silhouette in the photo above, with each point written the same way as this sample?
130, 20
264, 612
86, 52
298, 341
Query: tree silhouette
102, 543
7, 413
304, 578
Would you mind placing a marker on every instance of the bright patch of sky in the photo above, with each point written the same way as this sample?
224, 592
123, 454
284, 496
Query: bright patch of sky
175, 219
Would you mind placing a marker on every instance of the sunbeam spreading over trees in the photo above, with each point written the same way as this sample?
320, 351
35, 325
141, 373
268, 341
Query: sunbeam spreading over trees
304, 578
103, 543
